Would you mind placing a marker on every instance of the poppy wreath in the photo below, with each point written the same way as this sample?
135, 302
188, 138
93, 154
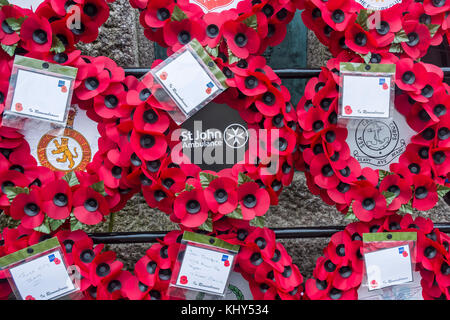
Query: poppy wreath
262, 261
339, 272
234, 39
419, 178
136, 143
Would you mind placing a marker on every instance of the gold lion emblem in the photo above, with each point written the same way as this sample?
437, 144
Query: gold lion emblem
67, 155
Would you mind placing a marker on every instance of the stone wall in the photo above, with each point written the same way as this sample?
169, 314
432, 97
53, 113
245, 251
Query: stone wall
122, 39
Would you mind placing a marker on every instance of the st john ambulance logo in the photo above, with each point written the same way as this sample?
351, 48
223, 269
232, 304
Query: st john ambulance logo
378, 142
235, 136
68, 152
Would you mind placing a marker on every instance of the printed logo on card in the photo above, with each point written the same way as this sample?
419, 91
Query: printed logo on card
378, 142
64, 153
378, 4
216, 5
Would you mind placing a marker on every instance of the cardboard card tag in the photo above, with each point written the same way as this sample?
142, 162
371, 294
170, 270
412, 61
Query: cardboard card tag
27, 4
388, 267
186, 81
366, 96
40, 95
205, 270
366, 90
43, 278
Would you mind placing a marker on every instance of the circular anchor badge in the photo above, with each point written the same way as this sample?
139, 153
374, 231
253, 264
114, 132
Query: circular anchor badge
378, 142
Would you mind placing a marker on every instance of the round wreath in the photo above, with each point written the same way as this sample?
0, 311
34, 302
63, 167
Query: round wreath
136, 147
404, 35
262, 261
339, 272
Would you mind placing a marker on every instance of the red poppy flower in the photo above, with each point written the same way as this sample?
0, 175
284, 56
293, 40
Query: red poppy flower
402, 190
104, 267
221, 195
418, 39
435, 7
410, 76
150, 120
148, 146
89, 206
114, 288
111, 103
191, 208
359, 40
254, 200
28, 209
36, 34
214, 22
7, 35
323, 173
158, 13
91, 81
157, 196
180, 33
425, 195
241, 39
57, 199
368, 202
96, 10
270, 102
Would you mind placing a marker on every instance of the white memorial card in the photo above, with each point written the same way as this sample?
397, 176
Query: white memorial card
40, 95
205, 270
366, 96
27, 4
43, 278
186, 81
388, 267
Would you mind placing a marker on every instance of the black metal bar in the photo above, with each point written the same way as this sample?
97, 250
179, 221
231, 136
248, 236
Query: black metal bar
282, 73
280, 233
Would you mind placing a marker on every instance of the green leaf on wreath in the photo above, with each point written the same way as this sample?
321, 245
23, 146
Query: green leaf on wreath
258, 221
71, 178
178, 14
10, 49
442, 190
4, 3
75, 224
433, 28
212, 51
383, 173
15, 24
251, 22
350, 214
57, 46
366, 57
236, 213
55, 223
44, 227
12, 192
207, 225
406, 208
231, 57
189, 187
243, 178
396, 48
206, 178
100, 188
363, 15
390, 196
400, 37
